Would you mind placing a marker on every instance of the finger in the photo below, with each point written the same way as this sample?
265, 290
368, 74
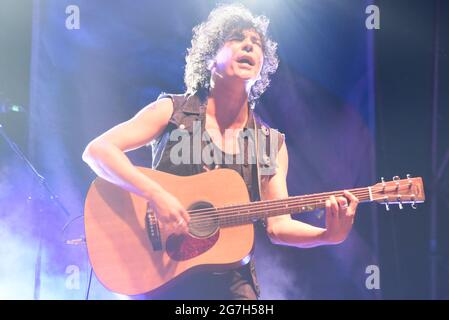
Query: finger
182, 224
343, 206
342, 203
179, 227
353, 201
334, 205
350, 195
328, 208
185, 227
185, 215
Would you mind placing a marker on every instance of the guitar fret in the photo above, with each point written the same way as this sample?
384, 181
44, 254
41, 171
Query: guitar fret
269, 208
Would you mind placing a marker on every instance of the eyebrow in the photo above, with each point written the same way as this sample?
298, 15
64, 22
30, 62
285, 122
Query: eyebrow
253, 37
256, 38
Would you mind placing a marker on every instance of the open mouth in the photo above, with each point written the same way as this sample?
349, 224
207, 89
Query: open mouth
246, 60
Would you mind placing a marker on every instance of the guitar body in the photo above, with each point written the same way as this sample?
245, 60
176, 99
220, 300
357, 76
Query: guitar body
132, 253
127, 260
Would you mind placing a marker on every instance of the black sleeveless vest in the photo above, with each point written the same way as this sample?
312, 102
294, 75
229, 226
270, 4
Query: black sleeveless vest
188, 117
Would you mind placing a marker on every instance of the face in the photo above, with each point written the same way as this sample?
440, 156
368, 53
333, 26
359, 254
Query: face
241, 56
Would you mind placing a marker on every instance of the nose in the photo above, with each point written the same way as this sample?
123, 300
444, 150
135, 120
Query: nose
247, 46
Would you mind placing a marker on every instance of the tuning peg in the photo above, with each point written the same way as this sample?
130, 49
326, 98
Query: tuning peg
400, 203
387, 205
410, 183
383, 184
396, 179
413, 205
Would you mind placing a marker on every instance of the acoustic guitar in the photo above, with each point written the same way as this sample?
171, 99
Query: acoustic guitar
131, 254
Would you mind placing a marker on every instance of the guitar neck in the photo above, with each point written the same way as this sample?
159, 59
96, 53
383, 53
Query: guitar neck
251, 212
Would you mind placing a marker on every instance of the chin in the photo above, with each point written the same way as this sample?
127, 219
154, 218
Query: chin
246, 76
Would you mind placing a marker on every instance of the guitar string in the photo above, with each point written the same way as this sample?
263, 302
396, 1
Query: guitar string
198, 212
204, 226
269, 203
253, 211
256, 209
264, 203
230, 218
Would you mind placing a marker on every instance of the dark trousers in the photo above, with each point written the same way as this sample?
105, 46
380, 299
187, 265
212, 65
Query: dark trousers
232, 285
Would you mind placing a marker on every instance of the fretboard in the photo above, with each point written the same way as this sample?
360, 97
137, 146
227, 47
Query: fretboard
248, 213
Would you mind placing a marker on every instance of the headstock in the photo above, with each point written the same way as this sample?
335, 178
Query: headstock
399, 191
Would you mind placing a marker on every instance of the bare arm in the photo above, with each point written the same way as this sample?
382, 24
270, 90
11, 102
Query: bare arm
106, 156
287, 231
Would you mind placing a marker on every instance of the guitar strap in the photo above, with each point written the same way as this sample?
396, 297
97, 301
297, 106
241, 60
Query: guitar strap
271, 134
256, 142
266, 165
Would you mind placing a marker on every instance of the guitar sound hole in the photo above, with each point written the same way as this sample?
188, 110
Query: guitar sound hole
203, 224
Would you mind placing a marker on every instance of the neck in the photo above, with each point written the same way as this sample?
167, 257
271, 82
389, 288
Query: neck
248, 213
228, 104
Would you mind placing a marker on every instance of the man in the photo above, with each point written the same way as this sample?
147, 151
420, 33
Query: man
228, 68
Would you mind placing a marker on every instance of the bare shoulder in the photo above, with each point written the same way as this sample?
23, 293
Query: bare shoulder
159, 109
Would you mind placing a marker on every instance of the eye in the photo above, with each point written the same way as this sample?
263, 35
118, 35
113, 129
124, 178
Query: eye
256, 41
237, 37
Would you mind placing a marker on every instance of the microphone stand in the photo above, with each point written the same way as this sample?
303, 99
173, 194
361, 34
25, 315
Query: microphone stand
54, 198
40, 178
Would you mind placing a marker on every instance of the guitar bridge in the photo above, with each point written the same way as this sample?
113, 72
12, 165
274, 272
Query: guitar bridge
153, 231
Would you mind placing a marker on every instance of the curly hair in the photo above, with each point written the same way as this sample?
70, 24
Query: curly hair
210, 36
